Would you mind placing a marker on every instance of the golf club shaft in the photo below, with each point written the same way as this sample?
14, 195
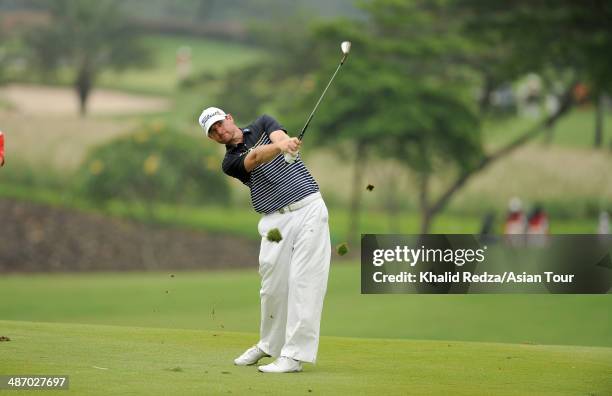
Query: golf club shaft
321, 98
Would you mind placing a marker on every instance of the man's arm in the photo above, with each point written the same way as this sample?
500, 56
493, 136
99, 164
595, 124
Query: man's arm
279, 136
281, 143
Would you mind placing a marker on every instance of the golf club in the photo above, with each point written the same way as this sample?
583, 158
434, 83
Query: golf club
345, 46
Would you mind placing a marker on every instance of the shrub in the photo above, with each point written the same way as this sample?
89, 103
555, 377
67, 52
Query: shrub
155, 163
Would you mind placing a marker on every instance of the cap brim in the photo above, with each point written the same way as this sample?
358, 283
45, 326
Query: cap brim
211, 121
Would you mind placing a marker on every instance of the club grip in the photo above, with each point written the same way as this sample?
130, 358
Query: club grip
290, 158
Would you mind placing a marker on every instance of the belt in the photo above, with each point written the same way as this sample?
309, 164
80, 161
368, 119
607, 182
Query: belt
299, 204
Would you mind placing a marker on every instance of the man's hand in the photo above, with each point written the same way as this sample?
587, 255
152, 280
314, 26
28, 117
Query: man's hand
290, 151
290, 145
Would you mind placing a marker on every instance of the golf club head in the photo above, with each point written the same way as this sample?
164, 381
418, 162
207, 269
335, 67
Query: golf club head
345, 47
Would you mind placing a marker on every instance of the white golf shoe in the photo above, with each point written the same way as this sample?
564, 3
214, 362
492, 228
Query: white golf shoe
250, 356
282, 365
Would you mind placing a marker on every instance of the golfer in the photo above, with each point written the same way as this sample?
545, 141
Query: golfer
293, 270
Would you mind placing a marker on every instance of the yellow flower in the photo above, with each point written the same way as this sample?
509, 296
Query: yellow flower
308, 84
96, 167
157, 125
141, 137
151, 164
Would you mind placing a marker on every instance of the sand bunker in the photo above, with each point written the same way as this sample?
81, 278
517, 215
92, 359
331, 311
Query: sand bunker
37, 99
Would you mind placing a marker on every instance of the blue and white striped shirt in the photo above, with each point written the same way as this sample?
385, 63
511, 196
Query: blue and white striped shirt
275, 184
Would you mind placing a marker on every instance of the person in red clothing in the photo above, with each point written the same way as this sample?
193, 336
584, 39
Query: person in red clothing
537, 227
1, 148
538, 221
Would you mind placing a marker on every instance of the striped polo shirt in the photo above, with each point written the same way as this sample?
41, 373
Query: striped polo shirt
274, 184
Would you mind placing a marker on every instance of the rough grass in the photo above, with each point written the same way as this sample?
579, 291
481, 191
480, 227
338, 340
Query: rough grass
574, 181
103, 360
241, 220
229, 301
56, 143
576, 130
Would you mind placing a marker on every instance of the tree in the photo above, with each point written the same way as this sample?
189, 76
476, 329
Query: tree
395, 98
446, 43
407, 88
381, 110
87, 37
275, 83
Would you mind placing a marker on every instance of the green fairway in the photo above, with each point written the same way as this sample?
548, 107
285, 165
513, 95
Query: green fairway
161, 78
106, 360
229, 301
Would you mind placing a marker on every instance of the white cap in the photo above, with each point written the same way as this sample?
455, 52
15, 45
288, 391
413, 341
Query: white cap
515, 204
209, 116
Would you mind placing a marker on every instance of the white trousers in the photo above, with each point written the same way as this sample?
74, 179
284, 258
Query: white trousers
294, 276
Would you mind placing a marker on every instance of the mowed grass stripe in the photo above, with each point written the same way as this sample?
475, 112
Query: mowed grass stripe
117, 360
229, 301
